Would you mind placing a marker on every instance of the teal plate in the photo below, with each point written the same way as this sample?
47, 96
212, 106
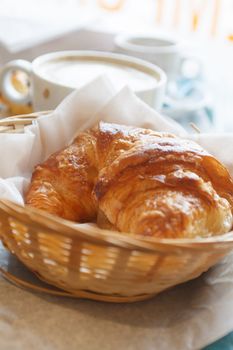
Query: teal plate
225, 343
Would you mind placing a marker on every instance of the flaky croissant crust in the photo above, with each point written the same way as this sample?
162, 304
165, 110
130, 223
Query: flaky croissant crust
140, 181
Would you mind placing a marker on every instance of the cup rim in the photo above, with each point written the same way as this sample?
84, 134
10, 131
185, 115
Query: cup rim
137, 63
123, 41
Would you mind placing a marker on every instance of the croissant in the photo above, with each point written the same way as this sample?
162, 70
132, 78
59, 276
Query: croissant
141, 181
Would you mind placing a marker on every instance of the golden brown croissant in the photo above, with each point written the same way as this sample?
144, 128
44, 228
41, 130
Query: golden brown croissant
144, 182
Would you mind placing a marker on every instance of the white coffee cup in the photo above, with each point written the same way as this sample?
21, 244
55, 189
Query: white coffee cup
53, 76
166, 52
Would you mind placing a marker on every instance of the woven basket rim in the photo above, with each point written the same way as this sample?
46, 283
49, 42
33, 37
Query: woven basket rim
105, 237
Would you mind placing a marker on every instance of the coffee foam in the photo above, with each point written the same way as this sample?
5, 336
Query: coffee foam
75, 72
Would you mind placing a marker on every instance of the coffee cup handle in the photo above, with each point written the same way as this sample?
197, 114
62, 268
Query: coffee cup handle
6, 86
191, 67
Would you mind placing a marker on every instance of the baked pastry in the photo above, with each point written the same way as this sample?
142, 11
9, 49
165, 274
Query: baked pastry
141, 181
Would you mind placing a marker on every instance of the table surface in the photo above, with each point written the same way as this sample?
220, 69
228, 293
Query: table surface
225, 343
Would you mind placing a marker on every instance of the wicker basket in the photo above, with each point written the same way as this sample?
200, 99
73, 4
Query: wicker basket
85, 261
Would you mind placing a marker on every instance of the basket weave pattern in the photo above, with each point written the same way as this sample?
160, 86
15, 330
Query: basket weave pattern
98, 264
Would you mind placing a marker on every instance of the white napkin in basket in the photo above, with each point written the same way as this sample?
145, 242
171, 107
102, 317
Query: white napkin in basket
82, 109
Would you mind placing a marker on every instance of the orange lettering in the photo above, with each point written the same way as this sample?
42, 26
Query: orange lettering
111, 7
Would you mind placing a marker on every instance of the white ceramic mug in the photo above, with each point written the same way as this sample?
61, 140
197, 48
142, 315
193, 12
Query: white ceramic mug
53, 76
166, 52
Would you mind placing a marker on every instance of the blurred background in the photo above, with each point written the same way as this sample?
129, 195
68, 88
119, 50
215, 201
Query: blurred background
29, 28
